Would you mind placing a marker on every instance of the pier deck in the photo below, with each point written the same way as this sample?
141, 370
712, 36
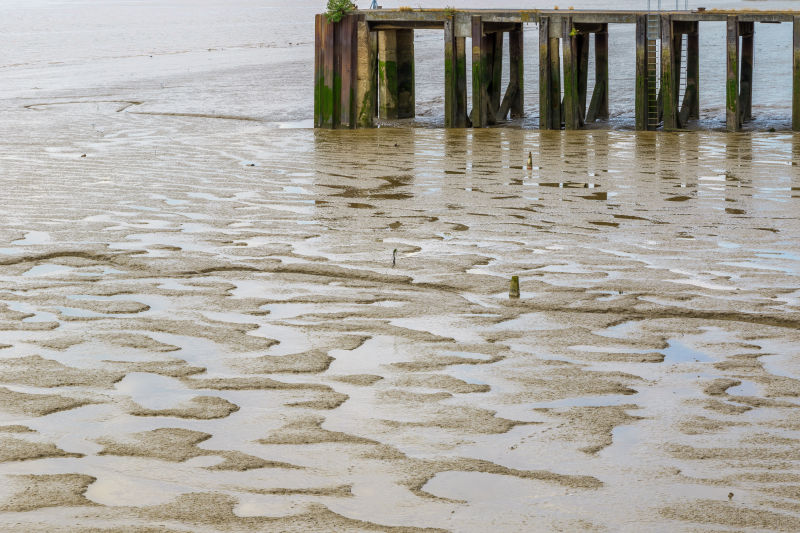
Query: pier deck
364, 65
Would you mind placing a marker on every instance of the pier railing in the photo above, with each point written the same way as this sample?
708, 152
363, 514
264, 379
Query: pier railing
364, 65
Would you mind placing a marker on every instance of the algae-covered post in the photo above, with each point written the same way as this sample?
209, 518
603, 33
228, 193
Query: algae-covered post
732, 83
796, 73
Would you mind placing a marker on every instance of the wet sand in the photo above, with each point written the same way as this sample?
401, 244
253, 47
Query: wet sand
201, 328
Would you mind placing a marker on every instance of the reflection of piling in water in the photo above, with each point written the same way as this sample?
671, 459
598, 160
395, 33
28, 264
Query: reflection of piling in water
364, 65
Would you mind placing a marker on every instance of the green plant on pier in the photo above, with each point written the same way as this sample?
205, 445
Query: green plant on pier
338, 9
450, 11
573, 32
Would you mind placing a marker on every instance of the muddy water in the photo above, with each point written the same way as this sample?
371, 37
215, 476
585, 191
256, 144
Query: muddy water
201, 327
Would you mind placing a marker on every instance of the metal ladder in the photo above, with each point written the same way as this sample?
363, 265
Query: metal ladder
653, 62
683, 70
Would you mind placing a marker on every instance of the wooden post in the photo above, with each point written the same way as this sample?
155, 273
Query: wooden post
545, 105
479, 116
746, 85
669, 76
450, 81
796, 74
693, 71
325, 105
387, 75
366, 92
582, 49
455, 96
406, 102
572, 118
346, 47
556, 114
732, 83
516, 71
496, 82
641, 107
488, 48
598, 108
319, 72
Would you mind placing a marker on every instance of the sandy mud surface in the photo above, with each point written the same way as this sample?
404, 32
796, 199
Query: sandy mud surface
201, 329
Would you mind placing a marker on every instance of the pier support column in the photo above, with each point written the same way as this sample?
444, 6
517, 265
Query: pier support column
516, 84
480, 76
598, 108
573, 117
732, 114
746, 29
396, 74
366, 79
796, 74
693, 72
549, 75
670, 73
487, 71
494, 46
455, 72
336, 72
640, 105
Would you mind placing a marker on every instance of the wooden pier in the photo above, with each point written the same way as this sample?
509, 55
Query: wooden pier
364, 65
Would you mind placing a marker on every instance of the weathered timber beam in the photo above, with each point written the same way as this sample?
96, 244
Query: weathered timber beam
455, 65
796, 74
383, 26
582, 49
367, 87
746, 72
387, 75
693, 70
598, 107
669, 76
406, 83
640, 106
346, 46
496, 61
516, 57
572, 109
732, 114
479, 116
545, 104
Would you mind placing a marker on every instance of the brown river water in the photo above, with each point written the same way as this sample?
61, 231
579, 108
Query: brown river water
202, 328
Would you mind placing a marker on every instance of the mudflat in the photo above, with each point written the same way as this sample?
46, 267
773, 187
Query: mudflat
211, 323
202, 329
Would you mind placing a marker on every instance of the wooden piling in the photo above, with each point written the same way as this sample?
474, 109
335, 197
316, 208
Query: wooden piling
516, 71
746, 30
387, 75
693, 72
598, 107
496, 82
669, 75
479, 116
325, 105
513, 289
406, 99
450, 81
572, 109
366, 81
582, 41
545, 104
796, 74
732, 116
346, 47
640, 106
